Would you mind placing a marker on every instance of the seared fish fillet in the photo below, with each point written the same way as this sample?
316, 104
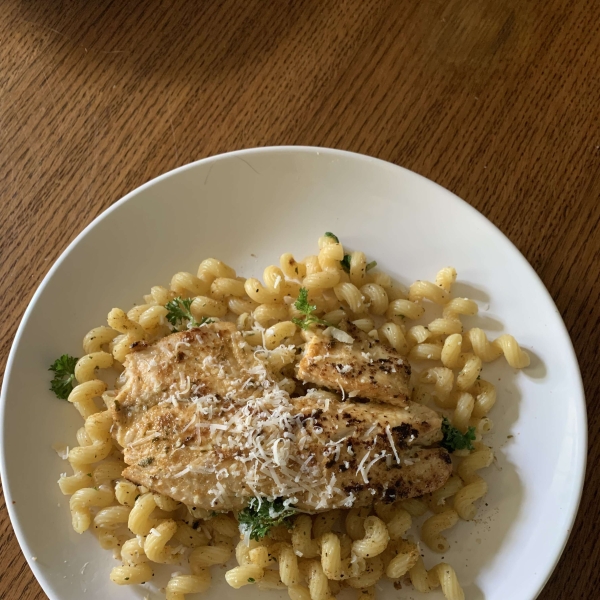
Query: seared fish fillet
364, 368
202, 419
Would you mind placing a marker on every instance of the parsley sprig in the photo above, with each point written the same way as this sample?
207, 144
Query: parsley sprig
304, 306
180, 314
456, 440
261, 515
64, 376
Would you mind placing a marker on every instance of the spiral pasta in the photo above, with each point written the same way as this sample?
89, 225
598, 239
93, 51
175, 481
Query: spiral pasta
485, 397
442, 378
469, 373
330, 256
394, 336
302, 542
350, 294
243, 575
437, 500
425, 290
211, 268
374, 541
426, 351
403, 561
445, 278
180, 585
313, 559
135, 568
431, 530
475, 487
505, 344
291, 268
188, 285
441, 575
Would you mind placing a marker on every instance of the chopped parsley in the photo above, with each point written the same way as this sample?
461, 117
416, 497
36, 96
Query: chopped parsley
259, 516
180, 314
334, 237
303, 305
64, 376
146, 462
454, 439
345, 262
251, 580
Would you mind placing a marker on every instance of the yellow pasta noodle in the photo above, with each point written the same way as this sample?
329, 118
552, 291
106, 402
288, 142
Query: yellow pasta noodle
459, 306
469, 373
425, 290
371, 575
404, 308
131, 574
180, 585
404, 561
188, 285
155, 546
243, 575
443, 378
375, 540
394, 336
203, 306
302, 542
358, 269
463, 411
377, 298
226, 286
291, 268
211, 268
426, 351
97, 338
431, 530
349, 293
445, 278
330, 256
485, 397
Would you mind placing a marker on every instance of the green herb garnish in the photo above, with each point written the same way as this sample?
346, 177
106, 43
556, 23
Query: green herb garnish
251, 580
180, 314
334, 237
261, 515
64, 376
454, 439
345, 262
307, 309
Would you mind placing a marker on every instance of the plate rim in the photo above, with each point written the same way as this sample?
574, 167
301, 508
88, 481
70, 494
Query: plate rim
542, 576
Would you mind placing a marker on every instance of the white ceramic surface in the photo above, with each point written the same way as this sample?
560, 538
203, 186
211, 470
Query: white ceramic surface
246, 208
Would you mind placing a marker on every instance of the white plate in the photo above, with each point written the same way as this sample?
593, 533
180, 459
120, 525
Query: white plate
247, 208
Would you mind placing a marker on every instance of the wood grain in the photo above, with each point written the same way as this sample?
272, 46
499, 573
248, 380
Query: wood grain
497, 100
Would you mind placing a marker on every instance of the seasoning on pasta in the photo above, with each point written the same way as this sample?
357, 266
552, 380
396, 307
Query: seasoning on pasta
297, 423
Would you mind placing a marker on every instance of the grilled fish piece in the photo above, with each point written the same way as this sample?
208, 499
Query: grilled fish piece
202, 419
364, 368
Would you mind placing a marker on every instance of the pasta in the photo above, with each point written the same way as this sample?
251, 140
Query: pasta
375, 540
313, 557
403, 561
432, 528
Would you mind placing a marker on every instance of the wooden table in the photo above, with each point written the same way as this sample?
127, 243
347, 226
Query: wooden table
497, 100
